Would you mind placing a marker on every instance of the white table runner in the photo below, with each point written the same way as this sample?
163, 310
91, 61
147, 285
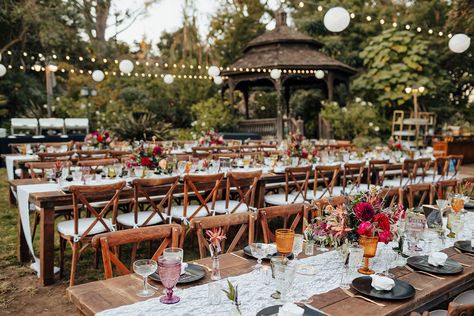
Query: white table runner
9, 160
254, 295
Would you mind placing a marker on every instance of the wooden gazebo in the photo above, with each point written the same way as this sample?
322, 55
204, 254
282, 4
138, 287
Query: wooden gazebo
293, 52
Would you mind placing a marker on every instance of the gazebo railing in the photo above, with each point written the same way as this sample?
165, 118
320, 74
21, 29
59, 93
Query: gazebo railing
268, 126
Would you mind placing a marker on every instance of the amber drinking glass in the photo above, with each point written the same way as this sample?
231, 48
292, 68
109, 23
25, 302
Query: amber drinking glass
370, 248
457, 203
284, 240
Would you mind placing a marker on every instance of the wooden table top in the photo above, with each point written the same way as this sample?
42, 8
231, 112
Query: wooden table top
97, 296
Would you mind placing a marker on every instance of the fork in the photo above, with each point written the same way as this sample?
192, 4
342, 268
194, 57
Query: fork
350, 294
423, 272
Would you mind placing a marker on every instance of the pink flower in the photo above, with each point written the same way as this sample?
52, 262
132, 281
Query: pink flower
382, 222
157, 151
365, 229
364, 211
385, 236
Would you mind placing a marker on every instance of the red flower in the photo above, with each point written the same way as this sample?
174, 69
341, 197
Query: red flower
382, 222
364, 211
157, 151
133, 158
145, 161
365, 229
99, 138
385, 236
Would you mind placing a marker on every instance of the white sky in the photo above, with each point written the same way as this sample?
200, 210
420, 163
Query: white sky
165, 15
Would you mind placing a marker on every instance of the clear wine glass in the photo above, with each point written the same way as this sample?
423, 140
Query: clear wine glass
181, 167
298, 245
259, 251
169, 271
145, 267
322, 242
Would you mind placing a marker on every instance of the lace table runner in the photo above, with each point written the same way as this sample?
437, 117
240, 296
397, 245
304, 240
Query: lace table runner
255, 295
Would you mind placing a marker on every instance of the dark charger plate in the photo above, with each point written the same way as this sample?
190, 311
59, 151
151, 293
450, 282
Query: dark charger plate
273, 310
193, 273
464, 245
248, 252
401, 291
421, 263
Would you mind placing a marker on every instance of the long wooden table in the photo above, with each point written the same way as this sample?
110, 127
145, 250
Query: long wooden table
97, 296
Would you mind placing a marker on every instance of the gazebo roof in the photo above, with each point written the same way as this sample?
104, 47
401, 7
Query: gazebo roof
284, 47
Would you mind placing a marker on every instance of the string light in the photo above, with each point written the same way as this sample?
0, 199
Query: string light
369, 18
382, 21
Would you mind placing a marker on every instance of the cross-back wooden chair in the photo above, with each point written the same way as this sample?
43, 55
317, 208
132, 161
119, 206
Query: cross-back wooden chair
93, 154
239, 193
328, 175
245, 220
423, 190
440, 169
376, 172
444, 187
109, 242
78, 232
352, 177
67, 155
455, 161
202, 152
39, 170
96, 164
394, 196
296, 187
159, 206
204, 189
299, 211
318, 205
423, 170
465, 181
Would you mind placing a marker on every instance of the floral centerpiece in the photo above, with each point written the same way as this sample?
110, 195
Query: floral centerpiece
301, 148
151, 157
99, 139
211, 138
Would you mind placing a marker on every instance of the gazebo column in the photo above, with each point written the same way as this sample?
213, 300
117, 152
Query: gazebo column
287, 100
231, 92
245, 92
279, 119
330, 85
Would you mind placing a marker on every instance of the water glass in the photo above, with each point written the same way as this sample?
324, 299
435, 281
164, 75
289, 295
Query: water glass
225, 164
297, 245
169, 269
266, 273
259, 251
173, 253
309, 248
356, 254
118, 169
284, 273
182, 167
139, 172
346, 277
87, 179
284, 240
145, 268
77, 176
214, 166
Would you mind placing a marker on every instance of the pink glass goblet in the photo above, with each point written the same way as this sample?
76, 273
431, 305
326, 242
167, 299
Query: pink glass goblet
169, 269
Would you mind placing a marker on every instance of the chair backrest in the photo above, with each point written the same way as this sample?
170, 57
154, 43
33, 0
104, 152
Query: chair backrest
38, 169
245, 183
93, 154
423, 189
82, 194
455, 161
319, 205
191, 184
294, 185
94, 164
353, 172
67, 155
456, 309
202, 152
245, 220
328, 175
376, 171
392, 195
423, 166
108, 242
298, 210
444, 187
409, 172
143, 188
441, 166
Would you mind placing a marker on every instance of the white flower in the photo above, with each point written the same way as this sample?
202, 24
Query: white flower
262, 108
371, 124
363, 103
358, 99
370, 103
203, 124
344, 109
376, 128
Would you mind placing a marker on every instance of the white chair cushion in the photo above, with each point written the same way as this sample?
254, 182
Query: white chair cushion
394, 183
103, 204
279, 199
67, 227
319, 194
153, 198
128, 219
178, 211
219, 207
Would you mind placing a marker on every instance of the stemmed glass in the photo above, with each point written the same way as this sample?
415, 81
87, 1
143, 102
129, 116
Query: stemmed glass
284, 240
118, 170
388, 256
175, 253
321, 236
259, 251
415, 228
297, 245
182, 167
169, 269
145, 268
225, 165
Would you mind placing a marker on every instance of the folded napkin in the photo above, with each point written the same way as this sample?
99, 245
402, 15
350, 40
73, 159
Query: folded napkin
290, 309
437, 259
381, 283
472, 243
184, 265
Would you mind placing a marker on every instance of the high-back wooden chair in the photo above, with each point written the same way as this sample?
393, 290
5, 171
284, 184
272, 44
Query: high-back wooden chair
78, 232
298, 211
376, 172
93, 154
159, 204
352, 177
423, 169
318, 206
239, 194
95, 164
67, 155
39, 170
202, 152
423, 190
245, 220
455, 161
391, 196
440, 169
328, 176
109, 242
444, 187
296, 187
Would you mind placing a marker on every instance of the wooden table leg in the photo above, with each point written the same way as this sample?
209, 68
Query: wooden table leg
22, 251
260, 194
11, 197
47, 246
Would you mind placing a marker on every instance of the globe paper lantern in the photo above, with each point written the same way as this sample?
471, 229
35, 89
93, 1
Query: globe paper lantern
168, 79
459, 43
275, 73
319, 74
337, 19
3, 70
213, 71
126, 66
218, 80
98, 75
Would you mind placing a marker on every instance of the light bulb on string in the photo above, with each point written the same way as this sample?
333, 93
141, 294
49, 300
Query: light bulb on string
337, 19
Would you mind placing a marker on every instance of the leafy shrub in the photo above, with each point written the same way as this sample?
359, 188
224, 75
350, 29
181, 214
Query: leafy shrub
137, 126
213, 114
